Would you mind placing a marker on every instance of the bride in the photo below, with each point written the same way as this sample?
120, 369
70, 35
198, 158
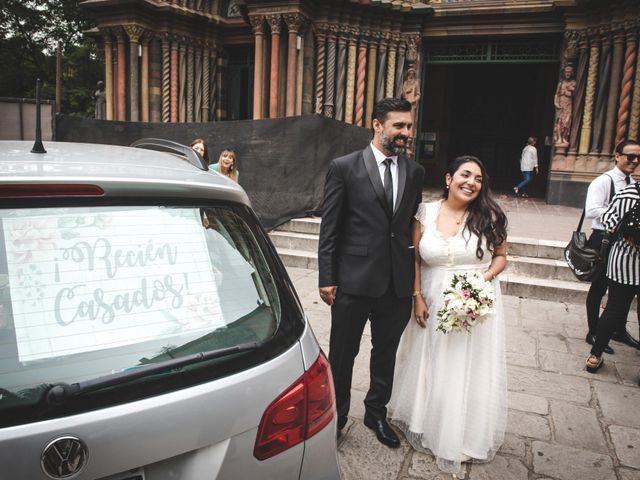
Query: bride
449, 393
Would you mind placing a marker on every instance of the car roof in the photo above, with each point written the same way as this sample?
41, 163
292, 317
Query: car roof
119, 171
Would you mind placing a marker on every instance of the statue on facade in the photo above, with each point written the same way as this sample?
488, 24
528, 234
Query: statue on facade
563, 102
411, 93
100, 97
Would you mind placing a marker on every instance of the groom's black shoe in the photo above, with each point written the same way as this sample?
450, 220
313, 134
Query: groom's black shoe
384, 433
591, 340
626, 338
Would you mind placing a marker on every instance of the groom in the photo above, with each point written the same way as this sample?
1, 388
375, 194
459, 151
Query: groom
366, 258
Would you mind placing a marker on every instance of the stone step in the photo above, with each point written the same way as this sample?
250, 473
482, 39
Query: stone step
511, 283
302, 225
519, 246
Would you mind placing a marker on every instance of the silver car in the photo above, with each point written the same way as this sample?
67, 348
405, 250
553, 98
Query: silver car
148, 330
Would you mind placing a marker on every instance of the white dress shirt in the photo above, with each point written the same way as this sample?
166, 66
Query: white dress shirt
529, 158
598, 195
380, 158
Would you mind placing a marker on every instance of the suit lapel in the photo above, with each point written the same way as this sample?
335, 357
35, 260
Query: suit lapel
402, 180
374, 176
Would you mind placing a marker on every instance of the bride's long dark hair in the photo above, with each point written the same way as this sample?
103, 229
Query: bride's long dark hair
485, 217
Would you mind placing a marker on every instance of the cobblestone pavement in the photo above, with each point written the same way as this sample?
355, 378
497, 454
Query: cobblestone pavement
563, 423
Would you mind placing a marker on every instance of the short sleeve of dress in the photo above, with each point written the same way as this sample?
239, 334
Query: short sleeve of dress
421, 215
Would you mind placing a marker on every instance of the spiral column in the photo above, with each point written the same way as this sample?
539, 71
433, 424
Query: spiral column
173, 89
320, 68
341, 75
391, 65
206, 81
330, 79
360, 80
592, 78
612, 97
351, 75
628, 70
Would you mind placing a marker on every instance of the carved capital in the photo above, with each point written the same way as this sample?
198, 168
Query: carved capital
106, 34
257, 24
134, 32
275, 23
413, 47
294, 21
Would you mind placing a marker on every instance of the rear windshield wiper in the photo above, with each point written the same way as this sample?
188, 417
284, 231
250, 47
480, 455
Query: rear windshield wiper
59, 393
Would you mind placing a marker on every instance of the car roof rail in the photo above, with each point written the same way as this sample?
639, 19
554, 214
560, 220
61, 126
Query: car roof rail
162, 145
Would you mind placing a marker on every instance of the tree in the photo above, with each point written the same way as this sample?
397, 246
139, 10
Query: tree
30, 32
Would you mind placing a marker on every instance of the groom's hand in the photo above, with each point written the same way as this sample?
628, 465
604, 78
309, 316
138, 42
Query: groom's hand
328, 294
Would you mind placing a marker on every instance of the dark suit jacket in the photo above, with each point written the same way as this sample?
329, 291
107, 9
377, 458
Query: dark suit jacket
362, 243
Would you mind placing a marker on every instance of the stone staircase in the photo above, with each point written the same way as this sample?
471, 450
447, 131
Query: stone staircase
535, 268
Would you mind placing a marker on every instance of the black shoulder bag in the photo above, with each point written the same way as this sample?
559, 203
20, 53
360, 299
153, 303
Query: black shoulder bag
585, 262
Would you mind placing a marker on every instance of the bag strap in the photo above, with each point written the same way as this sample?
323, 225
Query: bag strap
579, 228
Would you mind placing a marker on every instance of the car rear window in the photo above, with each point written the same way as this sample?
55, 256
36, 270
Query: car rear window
92, 292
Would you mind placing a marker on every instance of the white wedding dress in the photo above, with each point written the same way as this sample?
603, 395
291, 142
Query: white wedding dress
449, 391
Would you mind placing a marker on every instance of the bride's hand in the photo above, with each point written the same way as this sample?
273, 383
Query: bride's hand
420, 311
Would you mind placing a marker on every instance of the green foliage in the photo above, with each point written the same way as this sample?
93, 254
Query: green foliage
30, 31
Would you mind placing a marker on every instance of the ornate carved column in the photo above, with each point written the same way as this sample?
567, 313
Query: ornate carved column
578, 97
564, 102
382, 65
341, 74
144, 76
414, 62
330, 78
360, 78
612, 97
134, 32
602, 89
155, 79
197, 106
121, 72
634, 121
174, 82
629, 69
371, 75
166, 78
293, 21
320, 67
190, 79
300, 68
213, 107
182, 81
206, 81
402, 46
587, 115
257, 26
391, 64
108, 71
274, 83
351, 74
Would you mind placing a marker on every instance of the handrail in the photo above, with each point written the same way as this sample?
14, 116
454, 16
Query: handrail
160, 144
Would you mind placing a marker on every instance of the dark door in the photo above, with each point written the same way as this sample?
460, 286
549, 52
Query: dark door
240, 83
489, 110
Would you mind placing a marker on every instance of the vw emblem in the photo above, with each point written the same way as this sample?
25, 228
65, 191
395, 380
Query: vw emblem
64, 457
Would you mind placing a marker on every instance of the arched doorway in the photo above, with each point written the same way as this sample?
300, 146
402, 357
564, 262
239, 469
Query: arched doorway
486, 99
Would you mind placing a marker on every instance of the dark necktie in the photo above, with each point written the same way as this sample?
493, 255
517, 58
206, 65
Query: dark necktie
627, 179
388, 183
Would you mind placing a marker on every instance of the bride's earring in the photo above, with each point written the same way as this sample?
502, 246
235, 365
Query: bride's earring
447, 186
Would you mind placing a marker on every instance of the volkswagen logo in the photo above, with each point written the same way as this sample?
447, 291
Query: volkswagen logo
64, 457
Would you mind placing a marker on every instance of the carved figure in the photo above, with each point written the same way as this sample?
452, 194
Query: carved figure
563, 102
411, 93
100, 98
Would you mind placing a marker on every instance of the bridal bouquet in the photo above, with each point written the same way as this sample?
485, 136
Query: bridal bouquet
466, 302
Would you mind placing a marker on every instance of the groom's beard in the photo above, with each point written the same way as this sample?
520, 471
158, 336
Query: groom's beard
390, 144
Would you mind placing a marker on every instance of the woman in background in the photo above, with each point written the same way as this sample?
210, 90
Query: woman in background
226, 165
199, 146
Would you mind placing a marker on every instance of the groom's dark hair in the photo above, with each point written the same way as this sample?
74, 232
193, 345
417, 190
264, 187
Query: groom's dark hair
386, 105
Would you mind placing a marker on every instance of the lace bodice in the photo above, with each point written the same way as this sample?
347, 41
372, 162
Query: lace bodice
456, 252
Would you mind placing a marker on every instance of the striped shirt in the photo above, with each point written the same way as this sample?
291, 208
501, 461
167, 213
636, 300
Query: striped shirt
624, 259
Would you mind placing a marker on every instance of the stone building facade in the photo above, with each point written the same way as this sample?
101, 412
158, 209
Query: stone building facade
483, 75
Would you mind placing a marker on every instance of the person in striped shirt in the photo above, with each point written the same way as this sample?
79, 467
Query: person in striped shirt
623, 266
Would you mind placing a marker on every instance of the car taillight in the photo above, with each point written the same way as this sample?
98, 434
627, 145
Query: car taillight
31, 190
300, 412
